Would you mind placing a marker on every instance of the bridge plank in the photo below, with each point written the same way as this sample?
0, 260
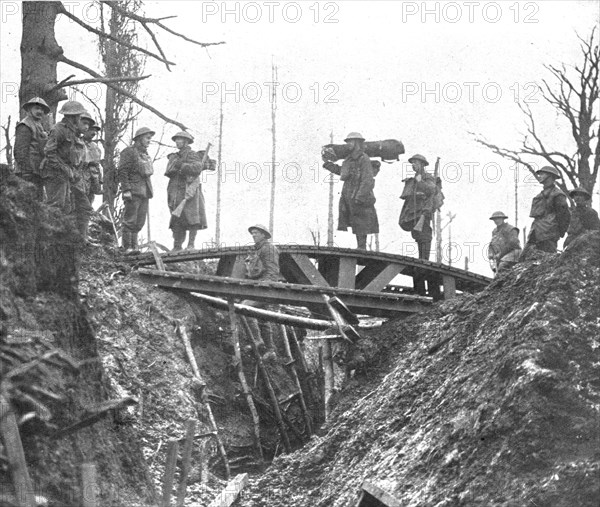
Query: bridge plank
309, 270
449, 287
347, 273
384, 277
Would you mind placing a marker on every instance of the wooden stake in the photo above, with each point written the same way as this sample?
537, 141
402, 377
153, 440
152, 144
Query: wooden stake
167, 489
186, 458
13, 446
329, 378
267, 380
294, 373
240, 371
89, 485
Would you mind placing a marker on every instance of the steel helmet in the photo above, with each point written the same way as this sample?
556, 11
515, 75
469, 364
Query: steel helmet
261, 228
354, 135
184, 135
87, 116
550, 170
39, 101
141, 131
498, 214
72, 107
582, 191
418, 157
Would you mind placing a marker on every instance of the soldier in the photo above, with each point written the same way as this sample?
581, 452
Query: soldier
262, 264
550, 213
184, 190
419, 205
583, 217
505, 247
135, 170
93, 156
30, 139
357, 202
64, 157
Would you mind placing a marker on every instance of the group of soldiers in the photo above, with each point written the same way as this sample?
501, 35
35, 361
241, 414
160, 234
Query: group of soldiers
552, 217
64, 164
64, 167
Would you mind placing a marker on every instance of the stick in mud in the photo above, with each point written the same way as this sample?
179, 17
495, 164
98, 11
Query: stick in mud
267, 380
186, 458
240, 371
172, 451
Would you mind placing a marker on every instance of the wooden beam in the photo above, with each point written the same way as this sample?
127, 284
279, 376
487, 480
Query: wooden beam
15, 455
309, 270
449, 287
167, 488
369, 273
186, 458
157, 258
388, 273
231, 492
374, 496
347, 273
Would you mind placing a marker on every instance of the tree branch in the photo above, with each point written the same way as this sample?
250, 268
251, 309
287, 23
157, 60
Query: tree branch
106, 35
64, 59
64, 83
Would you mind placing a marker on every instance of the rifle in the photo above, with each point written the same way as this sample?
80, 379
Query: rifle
191, 188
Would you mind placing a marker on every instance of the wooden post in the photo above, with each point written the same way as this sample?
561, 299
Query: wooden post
167, 489
294, 373
267, 380
240, 371
330, 204
186, 457
89, 485
219, 172
274, 145
9, 430
329, 378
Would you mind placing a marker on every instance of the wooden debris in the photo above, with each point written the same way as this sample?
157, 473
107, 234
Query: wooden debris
294, 373
157, 258
89, 486
96, 413
229, 495
167, 487
186, 458
240, 371
9, 431
374, 496
267, 381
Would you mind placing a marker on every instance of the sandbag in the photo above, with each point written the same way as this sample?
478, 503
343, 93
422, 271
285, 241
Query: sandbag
390, 149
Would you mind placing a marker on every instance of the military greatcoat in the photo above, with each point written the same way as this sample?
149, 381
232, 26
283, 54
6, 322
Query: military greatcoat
183, 171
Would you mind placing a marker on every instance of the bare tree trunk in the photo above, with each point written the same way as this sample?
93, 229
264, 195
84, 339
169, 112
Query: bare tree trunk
39, 55
218, 220
273, 152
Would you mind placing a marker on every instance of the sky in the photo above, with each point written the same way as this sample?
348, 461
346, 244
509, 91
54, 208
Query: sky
433, 75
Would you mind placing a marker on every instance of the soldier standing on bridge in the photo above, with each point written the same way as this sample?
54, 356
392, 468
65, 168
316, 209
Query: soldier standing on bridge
135, 171
505, 247
419, 196
583, 217
550, 213
357, 202
183, 171
30, 139
263, 265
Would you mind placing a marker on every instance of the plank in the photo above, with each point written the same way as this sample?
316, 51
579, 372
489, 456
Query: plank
16, 457
167, 488
309, 270
378, 283
347, 273
186, 457
449, 287
231, 491
374, 496
157, 259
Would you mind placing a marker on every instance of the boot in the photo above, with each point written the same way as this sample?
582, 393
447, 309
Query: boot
178, 238
191, 239
126, 240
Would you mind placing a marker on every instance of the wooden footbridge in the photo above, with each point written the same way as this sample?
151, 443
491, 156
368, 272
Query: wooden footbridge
362, 279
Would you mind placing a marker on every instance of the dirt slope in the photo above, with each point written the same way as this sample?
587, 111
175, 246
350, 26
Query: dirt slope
491, 399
